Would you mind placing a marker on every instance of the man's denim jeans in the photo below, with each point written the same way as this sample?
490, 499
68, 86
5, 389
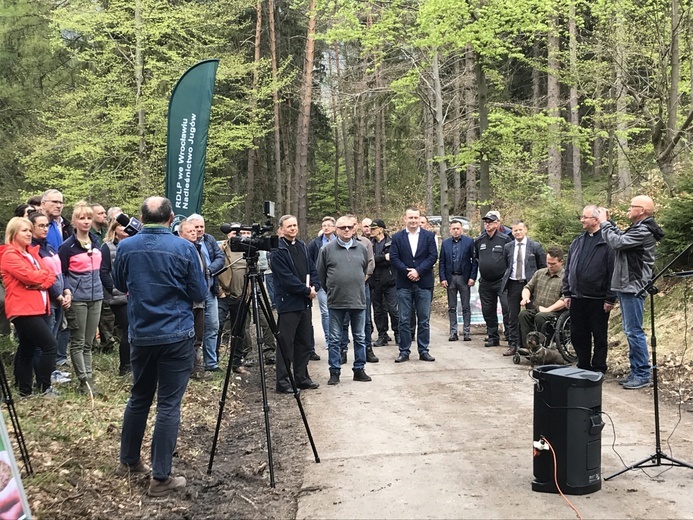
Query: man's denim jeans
209, 343
408, 298
164, 370
357, 317
324, 314
632, 308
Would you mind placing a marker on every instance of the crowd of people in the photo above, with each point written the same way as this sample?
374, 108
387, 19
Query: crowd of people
65, 284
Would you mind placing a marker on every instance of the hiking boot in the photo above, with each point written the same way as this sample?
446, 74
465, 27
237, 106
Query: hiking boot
200, 375
360, 375
123, 470
370, 357
50, 393
625, 380
334, 378
159, 488
637, 382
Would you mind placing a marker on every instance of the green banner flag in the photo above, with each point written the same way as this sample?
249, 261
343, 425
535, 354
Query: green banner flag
186, 146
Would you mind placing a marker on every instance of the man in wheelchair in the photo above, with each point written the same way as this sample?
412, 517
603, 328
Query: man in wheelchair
542, 298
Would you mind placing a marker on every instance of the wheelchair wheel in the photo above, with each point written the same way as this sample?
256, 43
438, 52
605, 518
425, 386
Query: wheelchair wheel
516, 359
563, 341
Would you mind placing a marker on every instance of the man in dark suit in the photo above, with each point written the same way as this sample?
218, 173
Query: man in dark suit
458, 268
413, 254
523, 256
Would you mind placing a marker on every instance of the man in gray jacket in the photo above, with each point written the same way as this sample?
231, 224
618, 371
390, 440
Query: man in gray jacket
635, 256
342, 268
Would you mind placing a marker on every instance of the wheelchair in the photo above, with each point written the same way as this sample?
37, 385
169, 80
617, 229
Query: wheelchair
557, 332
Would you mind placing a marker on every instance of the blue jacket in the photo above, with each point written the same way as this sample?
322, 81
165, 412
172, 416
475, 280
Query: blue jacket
161, 274
535, 259
470, 266
216, 262
290, 292
401, 258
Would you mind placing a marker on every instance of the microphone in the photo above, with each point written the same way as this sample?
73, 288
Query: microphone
225, 228
131, 224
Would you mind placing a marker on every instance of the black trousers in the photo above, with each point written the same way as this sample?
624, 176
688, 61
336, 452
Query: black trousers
34, 333
588, 322
295, 331
489, 293
384, 300
514, 290
120, 313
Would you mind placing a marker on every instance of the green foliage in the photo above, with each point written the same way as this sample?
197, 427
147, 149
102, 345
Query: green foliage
676, 219
553, 223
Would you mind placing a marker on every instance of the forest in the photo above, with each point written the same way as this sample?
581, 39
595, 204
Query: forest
533, 107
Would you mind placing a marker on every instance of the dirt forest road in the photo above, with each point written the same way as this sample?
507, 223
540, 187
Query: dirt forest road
453, 439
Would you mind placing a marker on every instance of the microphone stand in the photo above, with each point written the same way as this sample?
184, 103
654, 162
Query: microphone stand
657, 458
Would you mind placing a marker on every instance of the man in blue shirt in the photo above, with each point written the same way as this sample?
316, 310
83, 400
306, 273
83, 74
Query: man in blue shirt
458, 268
162, 275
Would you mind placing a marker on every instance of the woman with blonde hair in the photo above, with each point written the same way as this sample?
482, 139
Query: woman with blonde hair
27, 280
80, 258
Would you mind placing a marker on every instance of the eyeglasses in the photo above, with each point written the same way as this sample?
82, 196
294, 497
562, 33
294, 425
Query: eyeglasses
55, 202
585, 218
641, 207
41, 226
345, 228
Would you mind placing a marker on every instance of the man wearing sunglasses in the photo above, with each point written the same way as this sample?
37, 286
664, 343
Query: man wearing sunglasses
413, 253
635, 256
342, 268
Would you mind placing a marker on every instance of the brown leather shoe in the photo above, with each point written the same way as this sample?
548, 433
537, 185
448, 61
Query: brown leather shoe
240, 370
510, 352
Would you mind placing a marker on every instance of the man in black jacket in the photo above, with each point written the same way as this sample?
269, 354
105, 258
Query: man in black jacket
587, 292
295, 284
489, 248
523, 256
382, 284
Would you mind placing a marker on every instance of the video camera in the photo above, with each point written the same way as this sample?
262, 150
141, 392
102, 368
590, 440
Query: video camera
255, 242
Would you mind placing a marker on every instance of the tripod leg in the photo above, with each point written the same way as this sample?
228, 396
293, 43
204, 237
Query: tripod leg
14, 419
265, 306
236, 341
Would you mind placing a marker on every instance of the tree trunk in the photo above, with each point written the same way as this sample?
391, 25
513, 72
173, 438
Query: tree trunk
303, 126
456, 138
139, 83
378, 144
440, 144
348, 159
428, 154
470, 107
275, 101
359, 150
574, 108
335, 129
623, 180
484, 174
252, 153
553, 94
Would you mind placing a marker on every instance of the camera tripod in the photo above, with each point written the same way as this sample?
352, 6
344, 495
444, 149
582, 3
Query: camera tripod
658, 458
257, 297
14, 418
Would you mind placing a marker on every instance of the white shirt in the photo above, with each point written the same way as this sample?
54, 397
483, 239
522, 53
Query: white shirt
513, 274
413, 240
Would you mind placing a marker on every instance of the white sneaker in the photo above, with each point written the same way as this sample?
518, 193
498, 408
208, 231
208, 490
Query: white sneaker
58, 377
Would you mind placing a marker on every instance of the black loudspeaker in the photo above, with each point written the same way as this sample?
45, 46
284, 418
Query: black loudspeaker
567, 413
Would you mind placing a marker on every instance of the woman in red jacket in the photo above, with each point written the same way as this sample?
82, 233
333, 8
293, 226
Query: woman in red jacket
27, 280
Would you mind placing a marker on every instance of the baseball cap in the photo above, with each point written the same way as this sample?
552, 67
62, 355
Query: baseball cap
378, 223
493, 216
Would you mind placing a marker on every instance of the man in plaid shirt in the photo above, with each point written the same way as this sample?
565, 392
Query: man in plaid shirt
542, 297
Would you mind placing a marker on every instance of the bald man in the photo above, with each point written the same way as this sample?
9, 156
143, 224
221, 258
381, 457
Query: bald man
635, 256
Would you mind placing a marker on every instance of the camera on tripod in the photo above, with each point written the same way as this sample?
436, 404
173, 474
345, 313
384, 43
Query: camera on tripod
256, 241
